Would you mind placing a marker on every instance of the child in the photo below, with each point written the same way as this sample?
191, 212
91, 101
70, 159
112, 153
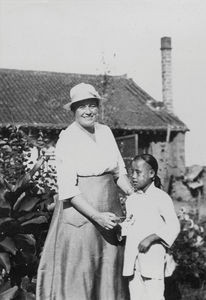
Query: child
152, 229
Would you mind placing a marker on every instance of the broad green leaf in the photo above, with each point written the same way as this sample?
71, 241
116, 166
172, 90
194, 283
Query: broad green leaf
9, 294
4, 286
4, 221
24, 257
22, 183
11, 197
26, 203
31, 215
37, 166
8, 245
5, 206
24, 295
24, 241
37, 220
24, 180
9, 226
35, 225
5, 261
18, 201
8, 186
4, 186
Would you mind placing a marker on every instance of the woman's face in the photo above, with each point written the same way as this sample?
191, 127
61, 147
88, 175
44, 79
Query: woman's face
142, 174
86, 113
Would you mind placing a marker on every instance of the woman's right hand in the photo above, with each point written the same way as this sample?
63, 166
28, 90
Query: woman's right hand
106, 219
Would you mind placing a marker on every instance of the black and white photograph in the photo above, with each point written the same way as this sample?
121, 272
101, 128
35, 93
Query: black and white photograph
102, 150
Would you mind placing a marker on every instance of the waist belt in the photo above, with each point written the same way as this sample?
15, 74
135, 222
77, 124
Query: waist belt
105, 173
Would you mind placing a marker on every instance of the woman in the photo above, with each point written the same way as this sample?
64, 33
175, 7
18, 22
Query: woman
82, 259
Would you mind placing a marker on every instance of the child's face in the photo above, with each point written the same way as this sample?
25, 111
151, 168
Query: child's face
142, 174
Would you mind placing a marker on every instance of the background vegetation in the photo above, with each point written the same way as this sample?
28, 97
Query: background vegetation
26, 205
27, 199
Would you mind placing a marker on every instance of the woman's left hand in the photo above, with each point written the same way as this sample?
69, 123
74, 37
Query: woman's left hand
106, 219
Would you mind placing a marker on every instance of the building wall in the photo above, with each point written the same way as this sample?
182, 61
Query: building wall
177, 154
170, 156
160, 151
169, 150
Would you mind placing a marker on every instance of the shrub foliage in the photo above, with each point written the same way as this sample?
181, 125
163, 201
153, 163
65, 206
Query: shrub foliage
26, 202
189, 251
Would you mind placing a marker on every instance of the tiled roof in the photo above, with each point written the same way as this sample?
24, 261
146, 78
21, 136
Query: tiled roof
36, 98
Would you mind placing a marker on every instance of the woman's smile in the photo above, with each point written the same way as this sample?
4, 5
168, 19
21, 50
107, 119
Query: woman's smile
86, 114
89, 117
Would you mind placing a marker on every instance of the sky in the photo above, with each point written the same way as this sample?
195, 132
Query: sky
116, 37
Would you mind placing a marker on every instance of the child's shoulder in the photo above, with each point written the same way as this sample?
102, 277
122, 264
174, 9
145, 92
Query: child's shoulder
162, 194
134, 198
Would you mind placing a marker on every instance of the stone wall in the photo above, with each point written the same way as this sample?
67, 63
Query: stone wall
176, 160
190, 193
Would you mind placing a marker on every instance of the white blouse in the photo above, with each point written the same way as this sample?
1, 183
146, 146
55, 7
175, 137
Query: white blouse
78, 154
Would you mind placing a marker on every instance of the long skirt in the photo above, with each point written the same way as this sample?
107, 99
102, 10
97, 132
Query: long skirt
81, 260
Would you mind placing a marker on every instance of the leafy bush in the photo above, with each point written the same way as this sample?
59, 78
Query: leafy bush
189, 251
14, 153
26, 206
23, 227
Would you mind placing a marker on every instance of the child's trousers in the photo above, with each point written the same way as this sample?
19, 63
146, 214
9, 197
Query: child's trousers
146, 289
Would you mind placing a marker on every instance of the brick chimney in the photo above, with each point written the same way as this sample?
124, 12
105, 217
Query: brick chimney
167, 73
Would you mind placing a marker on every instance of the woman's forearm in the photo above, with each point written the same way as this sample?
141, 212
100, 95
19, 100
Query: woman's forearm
125, 185
80, 204
104, 219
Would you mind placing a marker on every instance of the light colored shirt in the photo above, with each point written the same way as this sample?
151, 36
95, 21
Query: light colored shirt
153, 213
78, 154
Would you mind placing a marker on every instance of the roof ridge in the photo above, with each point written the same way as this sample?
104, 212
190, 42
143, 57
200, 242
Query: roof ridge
139, 89
135, 88
23, 71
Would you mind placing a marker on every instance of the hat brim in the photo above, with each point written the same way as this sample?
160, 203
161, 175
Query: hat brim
67, 106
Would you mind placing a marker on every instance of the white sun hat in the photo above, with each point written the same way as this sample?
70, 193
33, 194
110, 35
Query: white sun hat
82, 91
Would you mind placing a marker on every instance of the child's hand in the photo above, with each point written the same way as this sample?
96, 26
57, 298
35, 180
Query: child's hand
129, 220
145, 244
126, 224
